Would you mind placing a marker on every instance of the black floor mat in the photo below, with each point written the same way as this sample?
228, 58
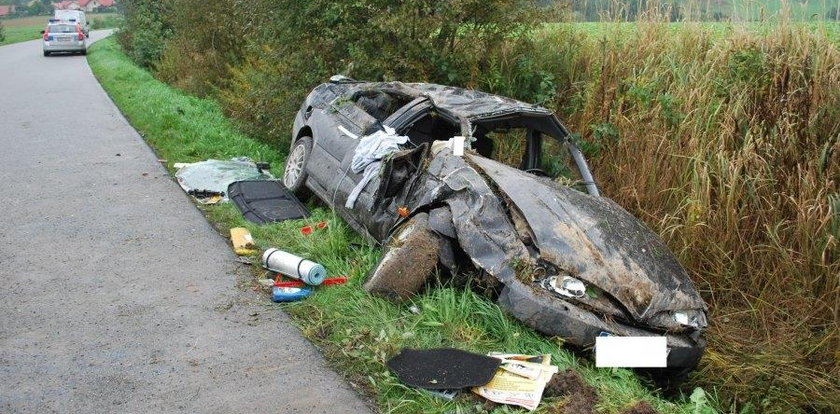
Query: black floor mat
265, 201
443, 368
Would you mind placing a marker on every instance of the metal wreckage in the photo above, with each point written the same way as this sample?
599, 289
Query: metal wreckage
567, 263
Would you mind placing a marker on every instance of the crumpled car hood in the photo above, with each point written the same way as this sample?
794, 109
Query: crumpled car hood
594, 239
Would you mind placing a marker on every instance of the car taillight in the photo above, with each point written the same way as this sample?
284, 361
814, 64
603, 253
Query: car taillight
47, 34
81, 35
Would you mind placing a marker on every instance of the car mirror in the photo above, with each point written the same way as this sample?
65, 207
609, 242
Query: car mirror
43, 31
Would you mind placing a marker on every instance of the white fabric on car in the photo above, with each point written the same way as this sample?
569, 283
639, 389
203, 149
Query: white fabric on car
368, 157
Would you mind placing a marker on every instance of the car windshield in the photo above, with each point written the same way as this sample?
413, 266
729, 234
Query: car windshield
62, 28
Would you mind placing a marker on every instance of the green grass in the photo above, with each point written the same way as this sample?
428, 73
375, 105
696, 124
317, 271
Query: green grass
22, 29
355, 331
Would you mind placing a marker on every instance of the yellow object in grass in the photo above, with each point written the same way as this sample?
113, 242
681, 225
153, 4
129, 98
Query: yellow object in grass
243, 243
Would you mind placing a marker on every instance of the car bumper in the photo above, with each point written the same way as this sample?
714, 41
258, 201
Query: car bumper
74, 46
554, 316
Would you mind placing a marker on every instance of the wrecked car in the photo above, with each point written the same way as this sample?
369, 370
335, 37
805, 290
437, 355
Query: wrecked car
461, 181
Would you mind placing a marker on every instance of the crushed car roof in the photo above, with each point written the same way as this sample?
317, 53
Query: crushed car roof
464, 103
472, 104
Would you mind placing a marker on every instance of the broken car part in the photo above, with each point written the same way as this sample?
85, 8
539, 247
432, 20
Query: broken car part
566, 286
442, 368
516, 226
265, 201
214, 176
293, 266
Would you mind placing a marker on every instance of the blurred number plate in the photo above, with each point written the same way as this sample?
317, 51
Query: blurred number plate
631, 351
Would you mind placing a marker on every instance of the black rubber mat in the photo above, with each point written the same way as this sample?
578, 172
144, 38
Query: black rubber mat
443, 368
265, 201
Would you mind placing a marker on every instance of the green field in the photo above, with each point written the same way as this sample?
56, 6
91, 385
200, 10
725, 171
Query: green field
22, 29
355, 331
735, 10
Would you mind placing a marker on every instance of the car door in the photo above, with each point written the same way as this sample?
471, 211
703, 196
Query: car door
363, 213
336, 129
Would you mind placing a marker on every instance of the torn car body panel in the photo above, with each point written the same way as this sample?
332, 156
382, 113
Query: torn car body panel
595, 240
528, 234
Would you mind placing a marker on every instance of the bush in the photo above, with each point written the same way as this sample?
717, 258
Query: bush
145, 31
262, 60
2, 32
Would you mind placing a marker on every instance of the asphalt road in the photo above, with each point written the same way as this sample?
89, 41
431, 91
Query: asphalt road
117, 295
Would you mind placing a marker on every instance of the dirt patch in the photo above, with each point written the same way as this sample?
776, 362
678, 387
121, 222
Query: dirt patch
642, 407
582, 397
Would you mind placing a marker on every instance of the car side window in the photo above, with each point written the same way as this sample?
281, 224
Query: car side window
380, 105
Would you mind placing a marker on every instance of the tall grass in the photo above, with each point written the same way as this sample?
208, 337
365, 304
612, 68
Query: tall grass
727, 142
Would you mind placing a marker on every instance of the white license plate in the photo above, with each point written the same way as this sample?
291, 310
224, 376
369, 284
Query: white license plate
65, 39
631, 352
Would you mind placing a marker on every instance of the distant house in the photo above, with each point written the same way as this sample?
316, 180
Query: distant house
67, 5
84, 5
7, 10
94, 5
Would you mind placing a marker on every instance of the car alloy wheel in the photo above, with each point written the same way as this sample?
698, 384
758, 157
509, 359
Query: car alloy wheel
294, 176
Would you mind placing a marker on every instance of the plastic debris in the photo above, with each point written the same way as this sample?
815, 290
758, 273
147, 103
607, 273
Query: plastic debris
307, 230
299, 283
448, 395
243, 243
293, 266
289, 294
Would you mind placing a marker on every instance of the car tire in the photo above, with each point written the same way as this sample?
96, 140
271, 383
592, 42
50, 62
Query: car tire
84, 52
46, 53
410, 258
294, 174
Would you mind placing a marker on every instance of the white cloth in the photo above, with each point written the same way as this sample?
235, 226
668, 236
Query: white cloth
368, 157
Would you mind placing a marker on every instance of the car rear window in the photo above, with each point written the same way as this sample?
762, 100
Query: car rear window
62, 28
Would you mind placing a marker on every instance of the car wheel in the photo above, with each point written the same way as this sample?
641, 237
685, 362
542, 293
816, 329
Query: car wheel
84, 52
46, 53
294, 175
411, 256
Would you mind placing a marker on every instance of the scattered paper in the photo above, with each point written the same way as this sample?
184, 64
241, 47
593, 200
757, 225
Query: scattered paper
520, 380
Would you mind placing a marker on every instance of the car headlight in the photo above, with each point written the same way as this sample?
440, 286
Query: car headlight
692, 317
566, 286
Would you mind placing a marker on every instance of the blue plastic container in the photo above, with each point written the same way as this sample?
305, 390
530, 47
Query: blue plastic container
289, 294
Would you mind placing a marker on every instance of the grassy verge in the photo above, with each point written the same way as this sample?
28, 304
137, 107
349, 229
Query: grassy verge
356, 332
29, 28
